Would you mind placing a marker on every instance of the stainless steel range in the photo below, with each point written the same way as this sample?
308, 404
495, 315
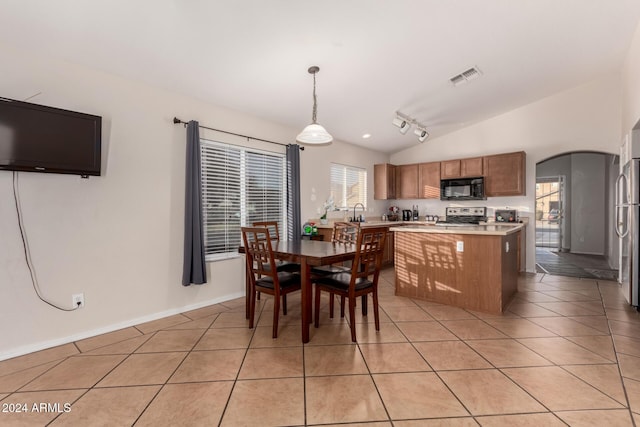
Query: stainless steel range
463, 216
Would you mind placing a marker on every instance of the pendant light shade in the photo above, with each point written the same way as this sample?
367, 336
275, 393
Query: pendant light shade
314, 133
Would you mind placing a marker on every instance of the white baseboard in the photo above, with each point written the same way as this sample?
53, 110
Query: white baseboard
43, 345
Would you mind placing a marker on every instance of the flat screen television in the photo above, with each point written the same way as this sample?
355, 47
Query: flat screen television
37, 138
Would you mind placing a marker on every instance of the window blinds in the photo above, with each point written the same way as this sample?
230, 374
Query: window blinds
239, 186
348, 185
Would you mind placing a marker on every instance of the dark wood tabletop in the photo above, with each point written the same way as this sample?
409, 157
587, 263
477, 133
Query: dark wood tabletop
317, 252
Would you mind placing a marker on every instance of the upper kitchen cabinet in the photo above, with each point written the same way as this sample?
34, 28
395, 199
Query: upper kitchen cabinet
504, 174
461, 168
407, 181
429, 180
384, 181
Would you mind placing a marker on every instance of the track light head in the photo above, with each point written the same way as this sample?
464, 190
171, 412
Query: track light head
421, 133
402, 124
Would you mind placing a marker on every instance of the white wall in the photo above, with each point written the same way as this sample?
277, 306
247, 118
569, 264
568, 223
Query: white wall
583, 118
631, 85
118, 238
588, 203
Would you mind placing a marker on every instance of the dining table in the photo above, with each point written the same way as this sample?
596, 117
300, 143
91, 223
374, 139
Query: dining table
307, 253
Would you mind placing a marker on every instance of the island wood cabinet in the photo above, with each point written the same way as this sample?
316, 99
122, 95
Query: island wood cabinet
407, 181
504, 174
461, 168
484, 277
388, 255
429, 180
384, 181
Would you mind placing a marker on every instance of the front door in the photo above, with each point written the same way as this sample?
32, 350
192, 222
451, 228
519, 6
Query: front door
549, 212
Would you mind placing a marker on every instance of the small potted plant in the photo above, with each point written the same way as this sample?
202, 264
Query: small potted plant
329, 204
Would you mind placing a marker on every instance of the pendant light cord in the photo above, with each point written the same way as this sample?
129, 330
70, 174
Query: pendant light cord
315, 102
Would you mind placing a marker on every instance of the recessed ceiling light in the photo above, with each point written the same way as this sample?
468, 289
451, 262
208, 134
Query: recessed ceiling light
366, 136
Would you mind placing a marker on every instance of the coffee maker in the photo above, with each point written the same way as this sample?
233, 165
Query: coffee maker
407, 214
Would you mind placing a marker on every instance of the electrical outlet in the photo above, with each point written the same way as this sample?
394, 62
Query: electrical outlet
460, 246
78, 300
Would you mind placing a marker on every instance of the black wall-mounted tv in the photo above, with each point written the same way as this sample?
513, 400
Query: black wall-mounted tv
36, 138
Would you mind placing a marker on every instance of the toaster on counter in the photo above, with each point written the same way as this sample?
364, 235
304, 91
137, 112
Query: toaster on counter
506, 215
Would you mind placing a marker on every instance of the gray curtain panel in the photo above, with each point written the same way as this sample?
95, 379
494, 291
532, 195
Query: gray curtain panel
294, 228
194, 268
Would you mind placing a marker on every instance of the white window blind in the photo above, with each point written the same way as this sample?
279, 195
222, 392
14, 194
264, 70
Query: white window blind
348, 186
239, 186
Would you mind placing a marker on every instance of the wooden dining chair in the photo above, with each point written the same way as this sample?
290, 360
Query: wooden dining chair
264, 276
274, 234
343, 233
361, 280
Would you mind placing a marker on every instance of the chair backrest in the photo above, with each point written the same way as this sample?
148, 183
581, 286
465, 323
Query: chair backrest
272, 226
369, 252
259, 252
345, 232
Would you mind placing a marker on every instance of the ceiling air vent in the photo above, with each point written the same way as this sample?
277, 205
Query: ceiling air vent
467, 75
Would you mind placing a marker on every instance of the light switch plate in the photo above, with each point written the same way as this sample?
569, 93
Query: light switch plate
460, 246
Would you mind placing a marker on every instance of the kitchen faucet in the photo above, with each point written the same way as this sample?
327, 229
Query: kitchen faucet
354, 211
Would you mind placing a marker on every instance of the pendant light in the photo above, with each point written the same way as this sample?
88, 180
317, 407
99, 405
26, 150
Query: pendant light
314, 133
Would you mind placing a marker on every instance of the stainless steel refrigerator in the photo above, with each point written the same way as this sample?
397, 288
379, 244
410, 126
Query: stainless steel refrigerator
628, 224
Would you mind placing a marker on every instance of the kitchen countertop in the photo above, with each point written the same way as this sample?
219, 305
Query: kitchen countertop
491, 229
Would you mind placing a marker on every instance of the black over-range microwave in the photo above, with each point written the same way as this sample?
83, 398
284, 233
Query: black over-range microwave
462, 189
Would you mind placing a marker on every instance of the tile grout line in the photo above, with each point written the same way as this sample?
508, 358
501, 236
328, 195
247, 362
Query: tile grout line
615, 352
233, 386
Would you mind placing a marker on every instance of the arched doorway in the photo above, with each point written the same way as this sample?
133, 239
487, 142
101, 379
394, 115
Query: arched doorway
575, 234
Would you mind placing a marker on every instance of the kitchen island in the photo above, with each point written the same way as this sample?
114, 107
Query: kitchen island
473, 267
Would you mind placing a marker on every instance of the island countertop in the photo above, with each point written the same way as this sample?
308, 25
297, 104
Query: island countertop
482, 229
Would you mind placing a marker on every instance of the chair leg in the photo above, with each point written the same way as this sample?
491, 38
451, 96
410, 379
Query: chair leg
258, 296
317, 307
252, 308
276, 314
364, 305
341, 306
284, 304
332, 298
376, 314
352, 318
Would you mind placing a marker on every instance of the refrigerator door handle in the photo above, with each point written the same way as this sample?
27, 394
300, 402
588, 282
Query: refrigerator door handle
617, 196
622, 228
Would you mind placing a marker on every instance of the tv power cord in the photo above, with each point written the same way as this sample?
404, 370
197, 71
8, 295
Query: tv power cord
27, 252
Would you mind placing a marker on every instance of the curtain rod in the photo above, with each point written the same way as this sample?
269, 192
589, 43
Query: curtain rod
178, 121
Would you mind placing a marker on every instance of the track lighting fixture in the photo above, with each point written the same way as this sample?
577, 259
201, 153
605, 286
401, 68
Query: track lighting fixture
421, 133
404, 122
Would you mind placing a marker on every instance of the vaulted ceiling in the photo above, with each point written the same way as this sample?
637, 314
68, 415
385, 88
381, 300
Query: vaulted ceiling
376, 57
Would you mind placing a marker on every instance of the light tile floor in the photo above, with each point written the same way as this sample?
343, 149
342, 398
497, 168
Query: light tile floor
566, 352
